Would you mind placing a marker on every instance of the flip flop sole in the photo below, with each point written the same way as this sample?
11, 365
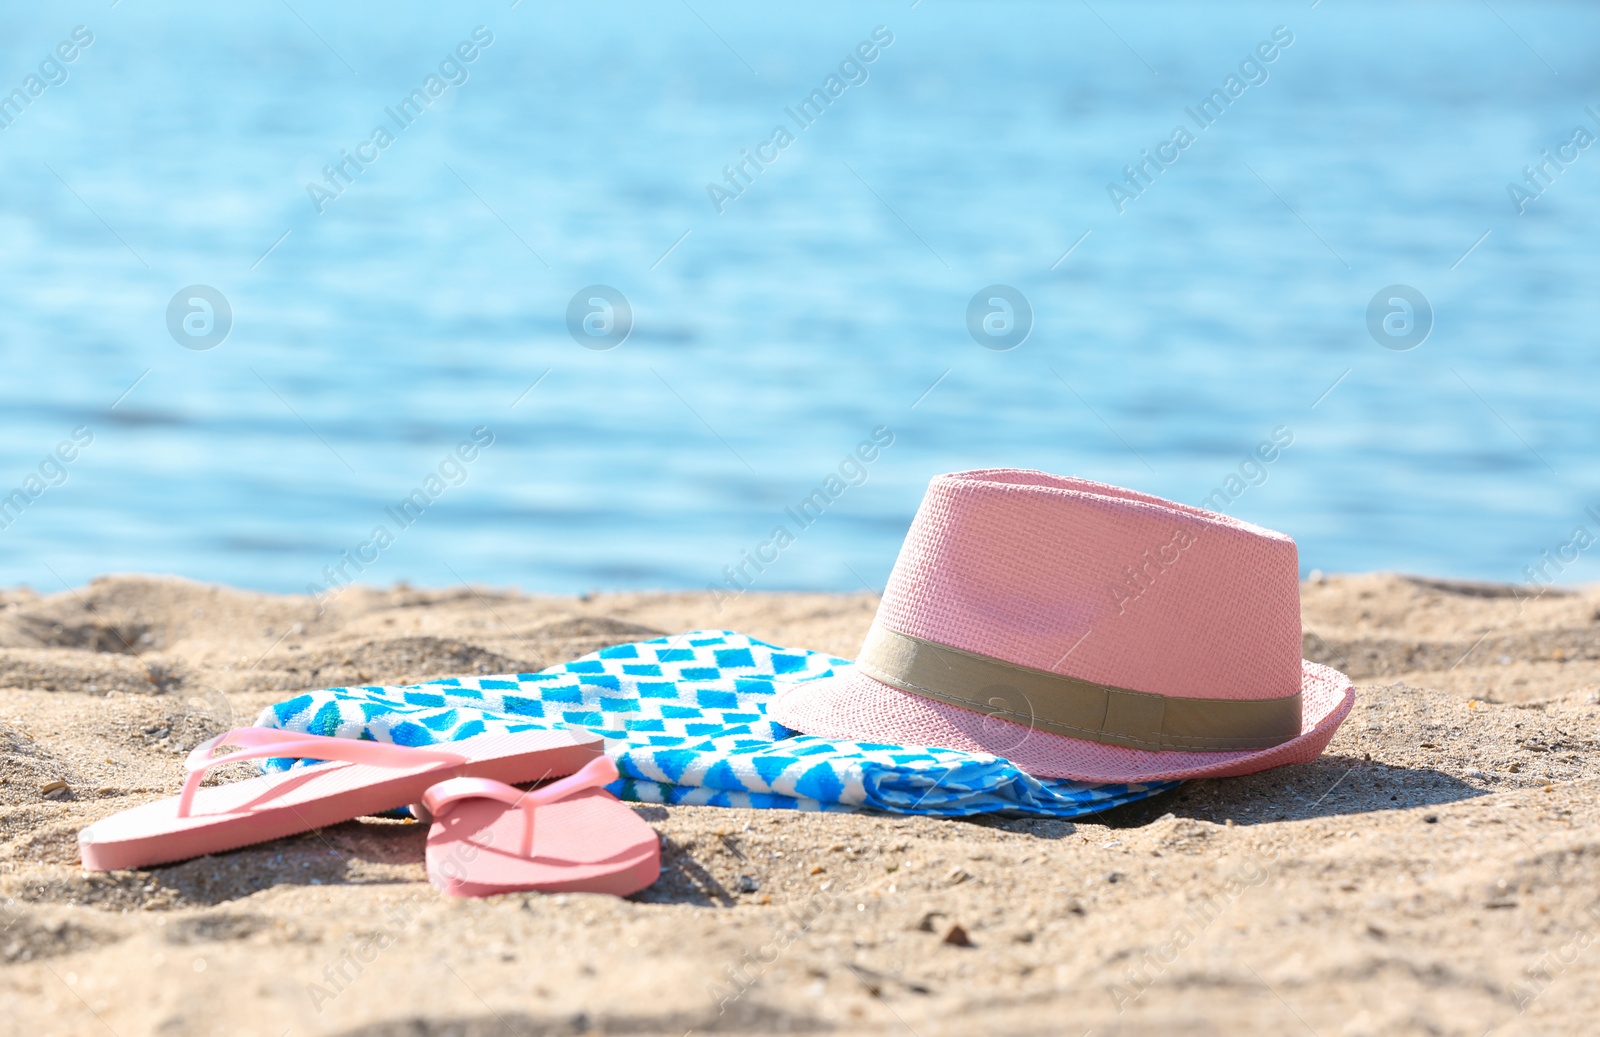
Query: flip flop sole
226, 817
588, 842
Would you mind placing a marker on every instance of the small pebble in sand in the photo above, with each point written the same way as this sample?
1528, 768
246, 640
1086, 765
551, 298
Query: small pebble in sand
957, 937
746, 884
1473, 772
53, 788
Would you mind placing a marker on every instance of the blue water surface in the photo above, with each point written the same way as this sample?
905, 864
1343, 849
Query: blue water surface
1174, 326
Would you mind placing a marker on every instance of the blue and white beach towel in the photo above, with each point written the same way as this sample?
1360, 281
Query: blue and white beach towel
685, 719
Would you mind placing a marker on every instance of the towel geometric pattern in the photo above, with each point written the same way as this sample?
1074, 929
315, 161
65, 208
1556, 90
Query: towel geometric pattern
685, 720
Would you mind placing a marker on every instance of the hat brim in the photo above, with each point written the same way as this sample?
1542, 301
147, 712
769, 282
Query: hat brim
850, 705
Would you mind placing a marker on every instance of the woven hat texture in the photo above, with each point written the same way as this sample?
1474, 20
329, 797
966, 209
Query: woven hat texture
1095, 582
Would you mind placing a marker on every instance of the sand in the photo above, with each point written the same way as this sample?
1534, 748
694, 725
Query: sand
1436, 872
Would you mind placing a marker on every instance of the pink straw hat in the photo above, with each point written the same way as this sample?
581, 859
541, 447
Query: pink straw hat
1084, 631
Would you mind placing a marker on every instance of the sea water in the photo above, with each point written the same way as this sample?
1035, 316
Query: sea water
660, 295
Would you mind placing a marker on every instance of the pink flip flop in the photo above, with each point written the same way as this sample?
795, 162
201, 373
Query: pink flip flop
570, 836
360, 778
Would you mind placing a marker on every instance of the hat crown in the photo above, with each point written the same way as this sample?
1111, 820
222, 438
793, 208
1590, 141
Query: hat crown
1100, 583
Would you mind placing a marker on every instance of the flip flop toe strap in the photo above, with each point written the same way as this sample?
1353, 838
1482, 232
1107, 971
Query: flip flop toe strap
442, 797
258, 742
